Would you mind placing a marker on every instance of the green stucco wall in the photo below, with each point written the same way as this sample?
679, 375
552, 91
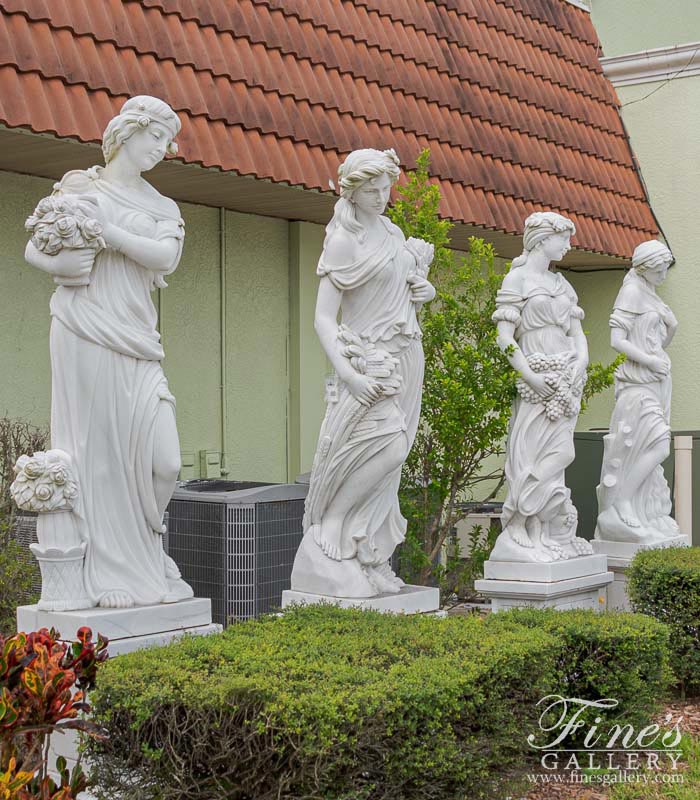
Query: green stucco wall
254, 260
189, 325
257, 323
629, 26
308, 362
24, 307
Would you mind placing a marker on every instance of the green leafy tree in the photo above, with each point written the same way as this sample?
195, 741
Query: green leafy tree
468, 387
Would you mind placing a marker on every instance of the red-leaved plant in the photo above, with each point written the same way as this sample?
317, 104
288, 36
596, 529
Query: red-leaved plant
43, 687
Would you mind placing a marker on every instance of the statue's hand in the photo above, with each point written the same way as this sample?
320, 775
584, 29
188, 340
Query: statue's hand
72, 266
539, 384
364, 389
422, 291
659, 365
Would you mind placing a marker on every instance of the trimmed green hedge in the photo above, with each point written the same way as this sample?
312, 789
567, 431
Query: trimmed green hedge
330, 704
615, 655
323, 703
665, 584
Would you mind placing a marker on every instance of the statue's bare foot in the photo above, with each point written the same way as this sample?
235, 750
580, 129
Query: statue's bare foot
627, 515
330, 531
116, 599
384, 577
519, 535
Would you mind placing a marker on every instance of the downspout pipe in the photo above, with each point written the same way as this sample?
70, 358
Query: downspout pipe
222, 338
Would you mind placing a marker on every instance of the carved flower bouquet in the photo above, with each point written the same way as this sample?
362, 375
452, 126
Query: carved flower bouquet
64, 221
423, 252
44, 482
566, 400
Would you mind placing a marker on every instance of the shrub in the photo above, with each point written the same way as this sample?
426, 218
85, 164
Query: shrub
16, 579
612, 655
323, 703
43, 686
665, 584
17, 573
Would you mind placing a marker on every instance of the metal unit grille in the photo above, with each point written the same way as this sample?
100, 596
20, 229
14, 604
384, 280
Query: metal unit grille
236, 542
279, 536
240, 541
24, 533
197, 544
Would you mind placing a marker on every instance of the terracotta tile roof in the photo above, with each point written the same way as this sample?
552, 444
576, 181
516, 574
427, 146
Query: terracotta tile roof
508, 95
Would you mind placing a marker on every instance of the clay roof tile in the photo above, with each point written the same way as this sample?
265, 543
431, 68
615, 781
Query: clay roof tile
508, 95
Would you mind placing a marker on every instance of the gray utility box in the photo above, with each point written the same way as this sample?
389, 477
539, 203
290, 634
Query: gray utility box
583, 476
235, 542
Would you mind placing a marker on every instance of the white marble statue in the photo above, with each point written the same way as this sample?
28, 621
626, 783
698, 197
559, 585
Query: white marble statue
377, 281
634, 501
539, 329
109, 238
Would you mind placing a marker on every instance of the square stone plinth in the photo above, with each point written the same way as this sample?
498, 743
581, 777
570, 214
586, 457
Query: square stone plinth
576, 583
410, 600
127, 629
549, 572
620, 555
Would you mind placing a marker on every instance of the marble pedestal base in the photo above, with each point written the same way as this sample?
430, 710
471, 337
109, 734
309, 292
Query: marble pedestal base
410, 600
575, 583
127, 629
620, 555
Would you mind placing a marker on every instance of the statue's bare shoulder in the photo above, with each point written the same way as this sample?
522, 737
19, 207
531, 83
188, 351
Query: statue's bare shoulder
514, 281
340, 248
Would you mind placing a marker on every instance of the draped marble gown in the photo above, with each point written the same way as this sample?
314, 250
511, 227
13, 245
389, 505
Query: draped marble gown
107, 387
540, 448
377, 310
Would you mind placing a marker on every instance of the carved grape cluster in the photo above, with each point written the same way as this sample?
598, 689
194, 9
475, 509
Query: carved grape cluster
565, 401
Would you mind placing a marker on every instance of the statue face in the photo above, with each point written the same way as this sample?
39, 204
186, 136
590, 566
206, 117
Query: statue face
657, 276
556, 246
147, 146
373, 195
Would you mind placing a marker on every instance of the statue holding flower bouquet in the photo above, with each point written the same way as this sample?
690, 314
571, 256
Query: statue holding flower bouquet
108, 239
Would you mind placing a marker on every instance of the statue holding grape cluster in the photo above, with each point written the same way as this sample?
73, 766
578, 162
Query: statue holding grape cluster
539, 329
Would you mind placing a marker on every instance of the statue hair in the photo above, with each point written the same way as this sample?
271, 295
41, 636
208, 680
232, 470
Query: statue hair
136, 114
538, 227
650, 256
359, 167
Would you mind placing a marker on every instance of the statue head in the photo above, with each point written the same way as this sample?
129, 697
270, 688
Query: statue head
545, 229
651, 260
365, 179
142, 116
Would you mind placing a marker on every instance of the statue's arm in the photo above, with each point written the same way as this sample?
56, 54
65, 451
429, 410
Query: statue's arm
671, 327
509, 346
326, 325
580, 344
620, 343
365, 389
70, 267
160, 256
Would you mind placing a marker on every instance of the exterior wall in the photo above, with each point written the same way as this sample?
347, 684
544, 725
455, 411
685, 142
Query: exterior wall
24, 307
662, 120
189, 325
253, 263
308, 362
257, 324
628, 26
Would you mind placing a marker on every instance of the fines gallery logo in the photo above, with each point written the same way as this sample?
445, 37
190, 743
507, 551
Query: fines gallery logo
604, 746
